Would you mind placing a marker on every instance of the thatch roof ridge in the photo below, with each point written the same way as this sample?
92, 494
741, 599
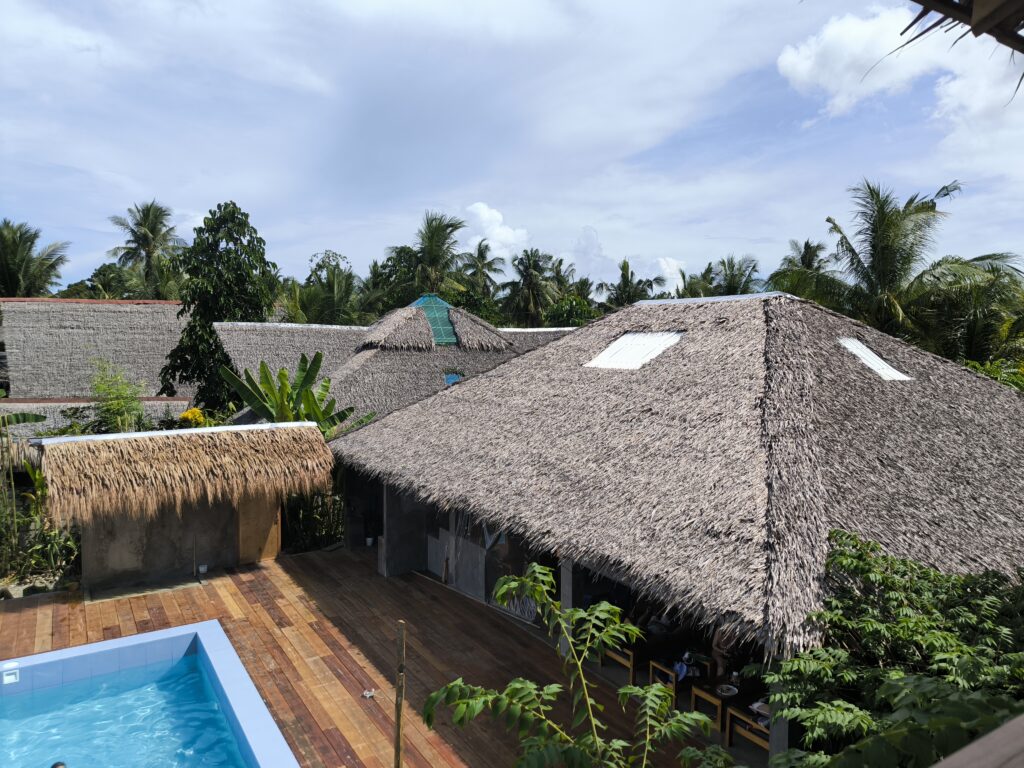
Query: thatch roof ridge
476, 334
732, 453
138, 474
405, 328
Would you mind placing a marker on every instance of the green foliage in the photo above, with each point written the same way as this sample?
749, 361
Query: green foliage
118, 401
570, 310
292, 398
526, 707
150, 244
629, 288
43, 548
1005, 371
25, 268
914, 663
228, 278
313, 522
532, 289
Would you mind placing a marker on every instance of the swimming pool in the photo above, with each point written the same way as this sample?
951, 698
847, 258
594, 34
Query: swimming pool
176, 697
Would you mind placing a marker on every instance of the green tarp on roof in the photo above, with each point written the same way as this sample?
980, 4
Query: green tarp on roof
436, 310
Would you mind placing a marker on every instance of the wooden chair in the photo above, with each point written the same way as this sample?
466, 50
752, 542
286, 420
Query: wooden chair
625, 657
697, 692
744, 725
666, 671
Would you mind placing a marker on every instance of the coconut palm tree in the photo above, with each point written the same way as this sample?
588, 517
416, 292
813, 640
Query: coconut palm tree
629, 288
480, 267
807, 272
150, 241
696, 285
733, 277
532, 290
435, 257
563, 275
884, 258
25, 268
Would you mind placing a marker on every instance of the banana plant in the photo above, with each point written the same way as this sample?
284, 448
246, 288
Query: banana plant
292, 398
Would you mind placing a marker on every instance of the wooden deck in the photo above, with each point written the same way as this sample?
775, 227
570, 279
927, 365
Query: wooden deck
316, 630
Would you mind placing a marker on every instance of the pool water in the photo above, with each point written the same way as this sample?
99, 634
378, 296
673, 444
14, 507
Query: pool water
152, 716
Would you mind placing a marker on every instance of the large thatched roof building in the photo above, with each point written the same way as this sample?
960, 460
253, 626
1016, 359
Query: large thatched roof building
407, 355
701, 450
52, 345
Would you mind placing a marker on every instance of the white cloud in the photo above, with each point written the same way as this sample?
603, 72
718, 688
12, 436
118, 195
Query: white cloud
489, 223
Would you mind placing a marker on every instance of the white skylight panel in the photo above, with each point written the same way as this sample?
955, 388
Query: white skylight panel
632, 350
873, 361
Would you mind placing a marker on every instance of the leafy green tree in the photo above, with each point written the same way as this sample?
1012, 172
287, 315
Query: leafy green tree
629, 288
696, 285
118, 400
292, 398
431, 266
570, 310
526, 707
329, 295
735, 277
228, 279
532, 289
25, 268
807, 271
150, 243
913, 665
1006, 372
584, 288
480, 268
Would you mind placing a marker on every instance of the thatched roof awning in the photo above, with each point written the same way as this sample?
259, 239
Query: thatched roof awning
710, 476
1002, 19
402, 329
137, 474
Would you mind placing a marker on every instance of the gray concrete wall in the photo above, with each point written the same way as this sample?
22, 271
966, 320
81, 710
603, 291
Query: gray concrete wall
122, 551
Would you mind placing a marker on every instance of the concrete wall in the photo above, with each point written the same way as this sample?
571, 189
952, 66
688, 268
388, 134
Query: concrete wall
52, 344
122, 551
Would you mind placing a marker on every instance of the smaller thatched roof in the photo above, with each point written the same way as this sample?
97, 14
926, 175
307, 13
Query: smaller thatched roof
138, 474
475, 334
402, 329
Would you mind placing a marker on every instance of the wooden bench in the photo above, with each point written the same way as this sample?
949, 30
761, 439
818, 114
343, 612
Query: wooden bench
673, 679
698, 692
744, 725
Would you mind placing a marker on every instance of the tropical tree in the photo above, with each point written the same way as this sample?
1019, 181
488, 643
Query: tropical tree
696, 285
228, 279
525, 707
629, 288
532, 289
150, 242
734, 277
25, 268
328, 296
289, 397
570, 310
480, 267
563, 275
584, 288
435, 259
808, 272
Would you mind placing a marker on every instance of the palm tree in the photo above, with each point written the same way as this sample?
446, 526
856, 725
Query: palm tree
24, 270
733, 277
805, 271
479, 268
532, 290
629, 288
562, 274
150, 241
584, 288
435, 257
696, 285
884, 258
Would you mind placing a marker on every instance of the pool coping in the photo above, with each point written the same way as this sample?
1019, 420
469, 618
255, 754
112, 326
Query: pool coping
258, 735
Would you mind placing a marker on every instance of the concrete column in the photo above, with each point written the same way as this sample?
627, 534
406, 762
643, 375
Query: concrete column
382, 540
778, 737
565, 596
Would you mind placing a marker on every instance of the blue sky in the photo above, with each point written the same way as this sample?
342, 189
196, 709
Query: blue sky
593, 130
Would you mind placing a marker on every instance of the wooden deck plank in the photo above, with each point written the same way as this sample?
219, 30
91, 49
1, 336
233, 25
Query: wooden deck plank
314, 632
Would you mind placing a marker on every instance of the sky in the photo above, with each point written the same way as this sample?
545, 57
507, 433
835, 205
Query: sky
668, 133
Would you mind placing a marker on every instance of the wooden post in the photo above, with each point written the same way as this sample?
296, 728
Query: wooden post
399, 693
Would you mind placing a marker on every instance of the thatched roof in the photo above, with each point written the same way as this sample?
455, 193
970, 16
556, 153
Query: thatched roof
53, 344
281, 345
140, 473
473, 333
1002, 19
711, 475
401, 329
